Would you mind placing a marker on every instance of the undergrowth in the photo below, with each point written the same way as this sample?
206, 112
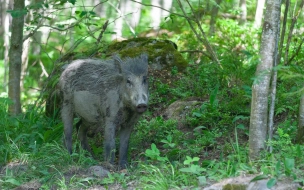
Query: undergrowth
209, 144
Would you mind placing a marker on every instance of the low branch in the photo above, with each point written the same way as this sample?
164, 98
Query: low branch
297, 52
196, 51
172, 13
104, 27
290, 35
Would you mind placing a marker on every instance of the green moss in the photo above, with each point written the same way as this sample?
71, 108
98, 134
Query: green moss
234, 187
161, 52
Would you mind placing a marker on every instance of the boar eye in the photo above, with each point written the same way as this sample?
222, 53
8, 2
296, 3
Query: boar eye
129, 82
145, 80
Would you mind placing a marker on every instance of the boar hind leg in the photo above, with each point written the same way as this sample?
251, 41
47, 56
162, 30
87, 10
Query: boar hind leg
125, 133
67, 118
109, 143
82, 135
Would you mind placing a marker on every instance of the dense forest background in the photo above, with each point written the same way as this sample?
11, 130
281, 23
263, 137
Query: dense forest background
235, 109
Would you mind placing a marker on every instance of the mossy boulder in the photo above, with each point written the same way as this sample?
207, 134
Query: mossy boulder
162, 54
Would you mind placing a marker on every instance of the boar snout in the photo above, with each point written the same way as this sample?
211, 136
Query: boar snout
141, 108
141, 102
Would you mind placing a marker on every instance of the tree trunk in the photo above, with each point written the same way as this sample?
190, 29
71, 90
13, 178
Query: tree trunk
156, 14
130, 13
166, 4
5, 23
259, 13
274, 77
260, 88
243, 15
214, 13
15, 55
300, 134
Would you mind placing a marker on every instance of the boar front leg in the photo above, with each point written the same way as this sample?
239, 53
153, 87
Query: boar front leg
109, 143
67, 118
125, 133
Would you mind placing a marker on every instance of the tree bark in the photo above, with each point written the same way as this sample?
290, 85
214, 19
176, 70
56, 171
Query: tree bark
259, 13
130, 13
290, 34
300, 134
214, 13
243, 15
5, 24
274, 77
260, 88
15, 55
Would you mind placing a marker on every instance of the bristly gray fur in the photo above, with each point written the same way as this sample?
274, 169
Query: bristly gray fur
137, 65
110, 93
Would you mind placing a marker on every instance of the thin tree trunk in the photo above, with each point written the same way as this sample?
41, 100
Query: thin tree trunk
5, 24
166, 4
243, 15
214, 13
156, 14
260, 88
15, 55
274, 77
300, 134
290, 34
259, 13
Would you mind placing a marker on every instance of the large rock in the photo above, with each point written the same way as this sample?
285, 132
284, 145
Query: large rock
179, 109
245, 183
163, 54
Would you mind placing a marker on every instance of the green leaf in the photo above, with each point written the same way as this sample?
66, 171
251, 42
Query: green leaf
289, 163
213, 95
17, 13
83, 13
92, 13
271, 183
72, 1
259, 177
199, 127
278, 168
240, 126
13, 181
202, 180
239, 117
197, 114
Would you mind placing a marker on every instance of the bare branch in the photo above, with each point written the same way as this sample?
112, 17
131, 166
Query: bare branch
150, 5
297, 52
104, 27
196, 51
202, 39
290, 35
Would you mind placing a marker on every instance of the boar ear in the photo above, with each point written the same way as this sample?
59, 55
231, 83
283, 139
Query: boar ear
144, 57
117, 62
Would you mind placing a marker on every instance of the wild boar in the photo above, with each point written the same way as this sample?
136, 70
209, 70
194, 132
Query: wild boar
111, 94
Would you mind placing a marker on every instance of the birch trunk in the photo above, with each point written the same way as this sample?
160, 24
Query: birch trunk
243, 16
260, 88
259, 13
156, 14
130, 13
5, 24
15, 55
